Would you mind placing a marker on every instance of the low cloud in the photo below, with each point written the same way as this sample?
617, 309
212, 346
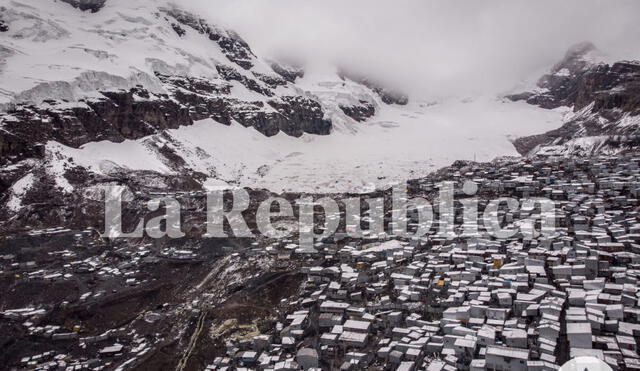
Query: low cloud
436, 47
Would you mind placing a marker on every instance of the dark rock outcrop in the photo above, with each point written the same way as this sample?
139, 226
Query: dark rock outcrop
203, 98
208, 99
17, 146
388, 96
392, 96
118, 116
195, 84
303, 115
610, 88
233, 46
268, 123
179, 30
91, 5
289, 73
230, 74
271, 81
359, 112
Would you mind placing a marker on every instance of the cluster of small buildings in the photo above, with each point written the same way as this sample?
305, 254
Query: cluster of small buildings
98, 276
531, 301
527, 302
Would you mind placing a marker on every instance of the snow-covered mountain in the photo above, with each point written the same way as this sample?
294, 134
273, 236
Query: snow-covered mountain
147, 92
122, 86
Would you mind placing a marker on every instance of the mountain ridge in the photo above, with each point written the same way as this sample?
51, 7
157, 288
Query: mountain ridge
605, 99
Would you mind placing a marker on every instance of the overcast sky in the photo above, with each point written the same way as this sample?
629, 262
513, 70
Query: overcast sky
436, 46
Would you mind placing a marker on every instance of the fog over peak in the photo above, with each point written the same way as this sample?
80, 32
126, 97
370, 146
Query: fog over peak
438, 48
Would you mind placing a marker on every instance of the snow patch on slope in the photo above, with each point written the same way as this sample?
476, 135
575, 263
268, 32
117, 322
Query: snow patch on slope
18, 191
105, 157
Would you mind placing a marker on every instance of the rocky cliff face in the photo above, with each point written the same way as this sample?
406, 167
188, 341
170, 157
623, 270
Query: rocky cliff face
232, 45
605, 100
293, 115
117, 116
360, 112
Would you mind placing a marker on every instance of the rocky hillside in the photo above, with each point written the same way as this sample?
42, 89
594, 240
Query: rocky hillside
605, 99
